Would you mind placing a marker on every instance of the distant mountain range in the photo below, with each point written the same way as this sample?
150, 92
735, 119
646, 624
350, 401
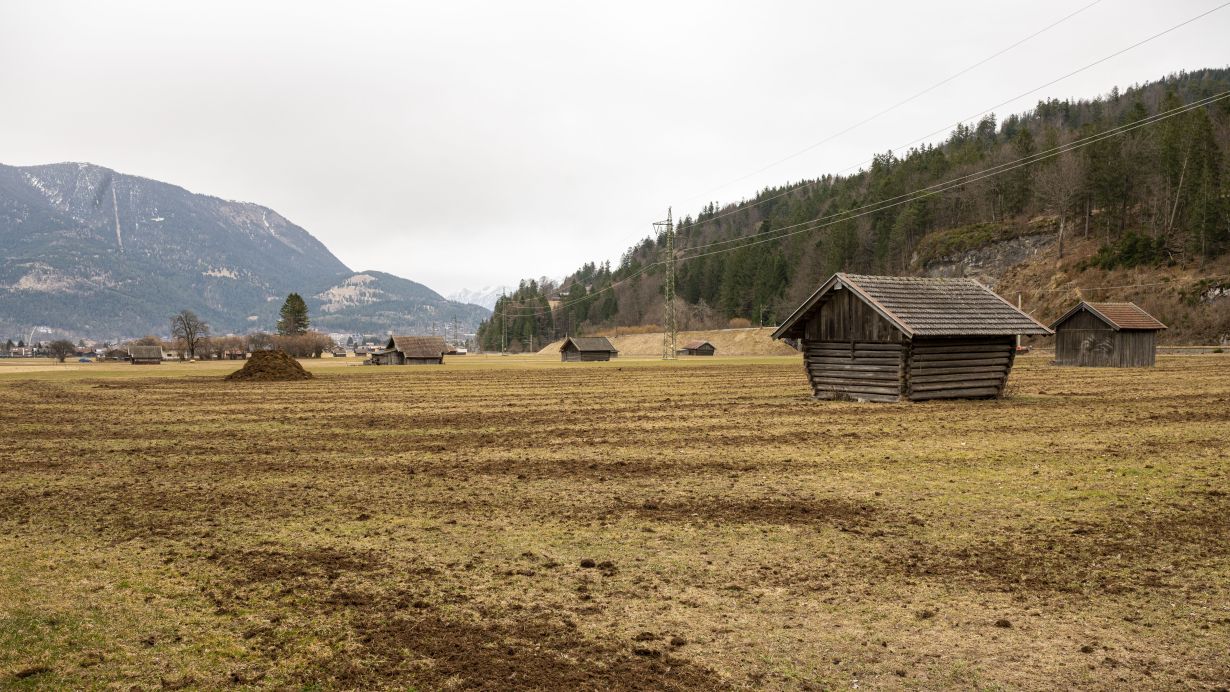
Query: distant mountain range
92, 252
485, 296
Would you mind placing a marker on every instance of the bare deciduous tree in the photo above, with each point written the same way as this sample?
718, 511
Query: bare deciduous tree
61, 349
1059, 185
190, 328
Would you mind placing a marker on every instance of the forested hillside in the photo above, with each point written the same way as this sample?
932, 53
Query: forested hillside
1129, 174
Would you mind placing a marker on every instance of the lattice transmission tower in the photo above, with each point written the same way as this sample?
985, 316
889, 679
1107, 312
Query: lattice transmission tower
670, 331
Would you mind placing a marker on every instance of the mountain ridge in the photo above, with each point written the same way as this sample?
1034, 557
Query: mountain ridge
90, 251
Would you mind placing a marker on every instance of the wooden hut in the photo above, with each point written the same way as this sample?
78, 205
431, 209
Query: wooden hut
577, 349
697, 348
145, 355
888, 338
1116, 335
412, 350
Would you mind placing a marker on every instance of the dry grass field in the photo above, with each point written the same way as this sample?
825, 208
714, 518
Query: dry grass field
519, 523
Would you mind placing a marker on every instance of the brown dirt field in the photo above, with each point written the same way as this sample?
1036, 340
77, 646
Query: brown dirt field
521, 523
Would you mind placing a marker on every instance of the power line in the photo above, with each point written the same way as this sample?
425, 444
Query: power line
743, 207
935, 189
979, 175
902, 102
921, 193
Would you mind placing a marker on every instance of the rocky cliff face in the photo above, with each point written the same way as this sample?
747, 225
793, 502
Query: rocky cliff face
989, 263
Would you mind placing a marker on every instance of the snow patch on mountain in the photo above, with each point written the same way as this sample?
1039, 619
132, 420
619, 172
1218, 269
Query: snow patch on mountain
485, 296
355, 290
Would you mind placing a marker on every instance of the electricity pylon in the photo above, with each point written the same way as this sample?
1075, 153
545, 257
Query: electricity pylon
670, 332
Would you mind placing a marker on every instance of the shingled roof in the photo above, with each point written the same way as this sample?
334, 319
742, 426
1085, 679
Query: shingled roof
924, 306
589, 344
699, 343
1117, 315
418, 346
145, 352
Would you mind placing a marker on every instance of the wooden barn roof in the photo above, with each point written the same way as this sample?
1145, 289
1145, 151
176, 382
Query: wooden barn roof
1117, 315
145, 352
589, 344
418, 346
698, 344
924, 306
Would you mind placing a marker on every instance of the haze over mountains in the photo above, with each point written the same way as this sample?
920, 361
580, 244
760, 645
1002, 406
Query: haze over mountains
96, 253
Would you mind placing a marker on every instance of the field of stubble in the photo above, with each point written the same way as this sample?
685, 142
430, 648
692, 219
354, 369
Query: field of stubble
506, 523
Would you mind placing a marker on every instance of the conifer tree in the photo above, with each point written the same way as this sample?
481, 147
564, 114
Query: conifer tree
294, 316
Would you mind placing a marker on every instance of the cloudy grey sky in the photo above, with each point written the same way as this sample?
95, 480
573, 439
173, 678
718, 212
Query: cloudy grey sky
463, 144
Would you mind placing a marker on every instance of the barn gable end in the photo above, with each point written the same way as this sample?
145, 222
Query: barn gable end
1116, 335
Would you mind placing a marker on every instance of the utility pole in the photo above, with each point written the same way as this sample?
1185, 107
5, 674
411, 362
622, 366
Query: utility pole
504, 325
670, 333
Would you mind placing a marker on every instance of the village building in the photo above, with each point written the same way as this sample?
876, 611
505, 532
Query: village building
1117, 335
145, 355
697, 348
887, 338
577, 349
338, 352
412, 350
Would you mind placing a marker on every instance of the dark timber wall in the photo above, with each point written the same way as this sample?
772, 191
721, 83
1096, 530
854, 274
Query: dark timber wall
851, 352
571, 356
965, 367
1085, 340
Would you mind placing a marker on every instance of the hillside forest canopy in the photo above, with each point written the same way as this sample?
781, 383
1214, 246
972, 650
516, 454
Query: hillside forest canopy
1152, 195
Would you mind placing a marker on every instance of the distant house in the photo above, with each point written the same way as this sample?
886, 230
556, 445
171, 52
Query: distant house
145, 355
889, 338
577, 349
235, 354
1117, 335
697, 348
412, 350
339, 352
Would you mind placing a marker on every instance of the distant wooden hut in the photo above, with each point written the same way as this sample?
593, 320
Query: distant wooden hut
887, 338
577, 349
145, 355
1117, 335
412, 350
697, 348
338, 352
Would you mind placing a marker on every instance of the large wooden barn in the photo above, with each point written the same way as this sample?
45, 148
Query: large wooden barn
412, 350
1117, 335
145, 355
888, 338
586, 348
697, 348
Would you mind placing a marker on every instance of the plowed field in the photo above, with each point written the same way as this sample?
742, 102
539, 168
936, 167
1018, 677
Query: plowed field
507, 523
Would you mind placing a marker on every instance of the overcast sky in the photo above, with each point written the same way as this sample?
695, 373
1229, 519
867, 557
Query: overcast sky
463, 144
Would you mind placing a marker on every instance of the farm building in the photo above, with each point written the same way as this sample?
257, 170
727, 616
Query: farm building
1117, 335
412, 350
145, 355
697, 348
887, 338
586, 348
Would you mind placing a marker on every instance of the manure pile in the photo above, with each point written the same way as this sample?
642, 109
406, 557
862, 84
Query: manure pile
270, 366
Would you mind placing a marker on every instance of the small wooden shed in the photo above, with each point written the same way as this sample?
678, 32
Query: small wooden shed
697, 348
891, 338
1116, 335
412, 350
145, 355
586, 349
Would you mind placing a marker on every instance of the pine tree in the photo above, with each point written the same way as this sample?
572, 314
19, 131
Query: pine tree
294, 316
